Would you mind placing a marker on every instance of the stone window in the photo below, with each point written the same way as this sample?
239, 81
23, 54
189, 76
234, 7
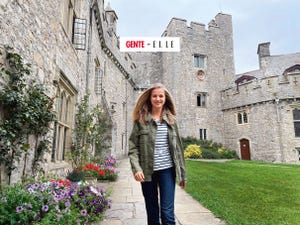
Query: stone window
242, 117
296, 117
98, 78
201, 99
65, 106
68, 16
74, 27
199, 61
202, 133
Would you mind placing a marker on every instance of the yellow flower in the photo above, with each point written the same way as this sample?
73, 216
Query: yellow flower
193, 151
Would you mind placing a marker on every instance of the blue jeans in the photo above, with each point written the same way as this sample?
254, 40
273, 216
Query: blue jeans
164, 180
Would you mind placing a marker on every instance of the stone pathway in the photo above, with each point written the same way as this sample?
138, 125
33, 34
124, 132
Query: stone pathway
128, 204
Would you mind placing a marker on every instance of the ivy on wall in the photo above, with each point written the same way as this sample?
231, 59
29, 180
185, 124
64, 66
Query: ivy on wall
26, 111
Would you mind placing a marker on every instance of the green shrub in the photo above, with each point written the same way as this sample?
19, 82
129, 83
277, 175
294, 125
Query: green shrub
193, 152
209, 154
76, 175
186, 141
210, 149
229, 154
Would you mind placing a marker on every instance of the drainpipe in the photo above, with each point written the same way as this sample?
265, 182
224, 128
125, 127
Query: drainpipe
126, 116
89, 48
279, 130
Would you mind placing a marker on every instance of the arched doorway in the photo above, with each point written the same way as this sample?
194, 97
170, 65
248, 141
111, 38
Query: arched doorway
245, 149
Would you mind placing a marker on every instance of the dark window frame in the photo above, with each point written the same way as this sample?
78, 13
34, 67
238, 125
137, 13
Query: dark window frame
242, 117
202, 99
203, 134
296, 119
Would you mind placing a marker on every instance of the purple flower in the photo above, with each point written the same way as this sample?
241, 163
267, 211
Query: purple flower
81, 194
30, 190
58, 198
99, 209
67, 203
58, 216
83, 212
45, 208
19, 209
44, 186
95, 201
35, 186
72, 193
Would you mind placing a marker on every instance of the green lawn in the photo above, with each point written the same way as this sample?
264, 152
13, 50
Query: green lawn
247, 192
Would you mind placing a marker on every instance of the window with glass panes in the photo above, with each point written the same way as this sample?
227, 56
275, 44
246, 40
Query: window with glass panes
242, 117
201, 99
202, 133
65, 106
199, 61
296, 117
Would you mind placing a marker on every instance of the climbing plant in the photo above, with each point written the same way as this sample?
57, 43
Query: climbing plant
101, 130
90, 134
25, 111
81, 134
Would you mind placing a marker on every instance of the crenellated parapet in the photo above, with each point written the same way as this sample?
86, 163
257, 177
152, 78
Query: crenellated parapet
256, 91
177, 26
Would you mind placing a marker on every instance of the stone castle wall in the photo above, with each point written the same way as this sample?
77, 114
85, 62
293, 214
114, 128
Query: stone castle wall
35, 29
269, 103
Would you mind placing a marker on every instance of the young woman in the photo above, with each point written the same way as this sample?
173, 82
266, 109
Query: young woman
156, 153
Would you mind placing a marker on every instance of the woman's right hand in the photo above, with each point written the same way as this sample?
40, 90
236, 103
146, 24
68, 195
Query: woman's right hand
139, 176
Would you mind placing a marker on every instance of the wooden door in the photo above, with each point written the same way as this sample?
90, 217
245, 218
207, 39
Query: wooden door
245, 149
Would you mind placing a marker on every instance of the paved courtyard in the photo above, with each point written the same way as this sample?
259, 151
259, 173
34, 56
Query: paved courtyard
128, 204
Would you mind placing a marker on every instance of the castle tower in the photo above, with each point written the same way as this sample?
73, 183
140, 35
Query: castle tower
197, 74
111, 18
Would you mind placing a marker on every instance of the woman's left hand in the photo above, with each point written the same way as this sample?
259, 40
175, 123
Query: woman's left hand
182, 184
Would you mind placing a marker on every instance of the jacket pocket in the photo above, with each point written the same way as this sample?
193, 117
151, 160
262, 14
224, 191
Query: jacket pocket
143, 136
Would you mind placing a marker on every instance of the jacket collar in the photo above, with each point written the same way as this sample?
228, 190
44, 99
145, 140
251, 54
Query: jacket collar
164, 117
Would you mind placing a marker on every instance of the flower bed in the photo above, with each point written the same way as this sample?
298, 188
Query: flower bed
53, 202
104, 170
101, 172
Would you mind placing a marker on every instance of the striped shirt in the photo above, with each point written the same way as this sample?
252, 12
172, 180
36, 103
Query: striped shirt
162, 156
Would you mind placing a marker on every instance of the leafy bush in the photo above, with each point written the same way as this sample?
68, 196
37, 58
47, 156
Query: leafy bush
210, 149
186, 141
209, 154
53, 202
76, 175
193, 152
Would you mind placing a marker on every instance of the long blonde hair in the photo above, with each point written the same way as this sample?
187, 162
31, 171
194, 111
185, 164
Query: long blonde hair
143, 105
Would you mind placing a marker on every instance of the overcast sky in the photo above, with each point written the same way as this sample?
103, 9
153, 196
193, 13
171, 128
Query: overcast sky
254, 22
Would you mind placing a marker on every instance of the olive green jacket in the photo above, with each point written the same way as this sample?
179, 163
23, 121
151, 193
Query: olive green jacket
141, 148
